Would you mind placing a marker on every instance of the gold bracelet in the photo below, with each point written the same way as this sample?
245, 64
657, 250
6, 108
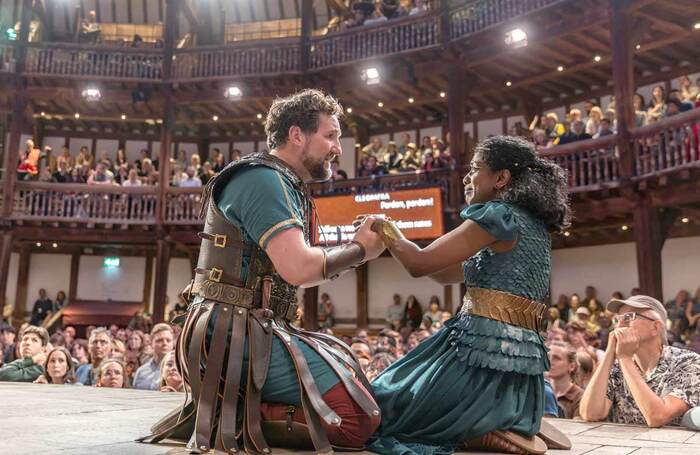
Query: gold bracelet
388, 232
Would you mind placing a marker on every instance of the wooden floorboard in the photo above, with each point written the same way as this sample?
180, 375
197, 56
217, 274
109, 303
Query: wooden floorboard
49, 419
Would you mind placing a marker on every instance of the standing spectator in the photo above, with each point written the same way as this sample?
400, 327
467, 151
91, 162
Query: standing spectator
692, 311
404, 143
593, 123
42, 308
539, 137
420, 6
132, 179
170, 377
563, 307
395, 313
62, 174
591, 301
429, 162
657, 105
59, 368
8, 335
412, 158
640, 113
101, 175
605, 129
325, 312
220, 162
433, 317
236, 155
553, 128
413, 313
689, 91
337, 174
147, 377
32, 348
100, 348
61, 301
683, 105
642, 380
676, 310
392, 158
206, 173
66, 157
426, 145
562, 371
111, 374
372, 168
191, 180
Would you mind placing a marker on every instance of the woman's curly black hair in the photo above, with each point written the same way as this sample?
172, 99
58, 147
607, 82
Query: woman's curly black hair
537, 185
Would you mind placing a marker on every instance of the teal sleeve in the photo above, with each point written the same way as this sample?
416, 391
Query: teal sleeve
262, 203
494, 217
21, 370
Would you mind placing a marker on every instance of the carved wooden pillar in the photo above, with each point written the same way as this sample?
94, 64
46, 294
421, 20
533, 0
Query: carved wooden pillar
5, 254
20, 310
648, 239
161, 286
74, 273
362, 273
148, 281
311, 308
623, 82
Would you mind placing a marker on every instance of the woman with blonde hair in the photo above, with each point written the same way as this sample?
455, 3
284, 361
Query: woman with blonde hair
59, 368
170, 377
112, 374
593, 123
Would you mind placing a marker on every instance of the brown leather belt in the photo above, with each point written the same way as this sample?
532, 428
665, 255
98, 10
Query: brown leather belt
243, 297
504, 307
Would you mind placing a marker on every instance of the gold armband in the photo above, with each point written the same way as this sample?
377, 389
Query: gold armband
388, 232
342, 257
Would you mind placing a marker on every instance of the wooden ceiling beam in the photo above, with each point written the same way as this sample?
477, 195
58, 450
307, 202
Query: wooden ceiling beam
189, 13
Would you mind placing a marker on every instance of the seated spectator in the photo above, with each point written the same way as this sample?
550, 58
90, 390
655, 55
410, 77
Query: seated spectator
412, 159
673, 107
539, 138
372, 168
170, 378
236, 155
676, 312
443, 156
337, 174
361, 11
562, 358
640, 113
689, 91
605, 129
62, 174
420, 6
553, 320
101, 175
433, 317
656, 108
99, 348
380, 362
395, 313
79, 350
563, 307
8, 346
683, 105
642, 380
375, 148
66, 157
43, 307
552, 127
147, 377
58, 368
377, 16
573, 115
111, 374
32, 350
132, 179
191, 180
413, 313
392, 158
429, 162
220, 162
206, 173
393, 9
325, 312
147, 173
84, 157
692, 311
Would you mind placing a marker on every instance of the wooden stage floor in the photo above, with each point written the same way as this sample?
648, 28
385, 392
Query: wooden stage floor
47, 419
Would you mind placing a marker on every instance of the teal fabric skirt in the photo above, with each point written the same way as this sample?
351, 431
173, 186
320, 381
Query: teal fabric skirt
473, 376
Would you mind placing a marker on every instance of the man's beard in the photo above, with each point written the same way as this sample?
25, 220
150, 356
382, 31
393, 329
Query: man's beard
316, 168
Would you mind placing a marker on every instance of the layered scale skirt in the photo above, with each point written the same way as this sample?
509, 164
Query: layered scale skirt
473, 376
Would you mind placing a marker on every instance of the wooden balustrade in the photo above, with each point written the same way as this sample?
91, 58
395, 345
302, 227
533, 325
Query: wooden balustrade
389, 38
84, 203
475, 16
265, 57
94, 62
667, 145
182, 206
590, 164
7, 58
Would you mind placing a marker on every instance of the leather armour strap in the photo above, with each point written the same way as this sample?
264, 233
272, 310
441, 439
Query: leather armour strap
340, 258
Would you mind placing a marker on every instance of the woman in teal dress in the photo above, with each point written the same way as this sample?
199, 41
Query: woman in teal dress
479, 380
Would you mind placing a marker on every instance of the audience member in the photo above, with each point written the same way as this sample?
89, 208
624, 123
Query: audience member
111, 373
8, 346
395, 313
325, 312
147, 377
170, 377
100, 348
413, 313
42, 308
32, 350
58, 368
562, 358
432, 319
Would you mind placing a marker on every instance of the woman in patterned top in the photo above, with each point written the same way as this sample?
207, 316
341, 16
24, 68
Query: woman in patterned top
479, 380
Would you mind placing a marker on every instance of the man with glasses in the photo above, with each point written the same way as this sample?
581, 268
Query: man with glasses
642, 380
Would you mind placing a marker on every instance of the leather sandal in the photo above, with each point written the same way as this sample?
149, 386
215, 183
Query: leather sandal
554, 438
508, 442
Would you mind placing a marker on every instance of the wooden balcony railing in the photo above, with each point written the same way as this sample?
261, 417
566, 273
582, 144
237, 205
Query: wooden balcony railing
94, 62
84, 203
590, 164
389, 38
182, 206
667, 145
475, 16
265, 57
7, 58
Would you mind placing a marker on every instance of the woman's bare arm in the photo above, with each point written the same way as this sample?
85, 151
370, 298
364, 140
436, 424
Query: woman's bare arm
450, 275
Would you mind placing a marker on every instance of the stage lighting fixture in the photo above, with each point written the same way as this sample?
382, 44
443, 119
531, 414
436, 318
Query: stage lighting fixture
43, 114
259, 116
92, 94
442, 94
55, 245
233, 93
597, 58
685, 220
567, 233
624, 227
215, 118
380, 104
349, 110
77, 115
638, 46
516, 38
38, 244
560, 68
696, 26
123, 116
411, 100
371, 76
508, 83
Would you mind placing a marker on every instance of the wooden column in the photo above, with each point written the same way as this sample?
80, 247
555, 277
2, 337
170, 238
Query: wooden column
649, 241
5, 254
74, 273
19, 104
623, 81
18, 315
148, 281
203, 143
445, 23
307, 12
161, 286
311, 308
455, 113
447, 304
362, 273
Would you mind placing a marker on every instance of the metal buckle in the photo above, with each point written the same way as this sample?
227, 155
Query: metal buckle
215, 274
220, 240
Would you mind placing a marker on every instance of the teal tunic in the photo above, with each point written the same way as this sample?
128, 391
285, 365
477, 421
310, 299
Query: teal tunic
263, 203
476, 374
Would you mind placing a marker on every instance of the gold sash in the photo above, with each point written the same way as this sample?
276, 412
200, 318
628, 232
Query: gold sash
504, 307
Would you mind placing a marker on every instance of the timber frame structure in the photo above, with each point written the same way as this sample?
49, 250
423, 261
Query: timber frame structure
642, 178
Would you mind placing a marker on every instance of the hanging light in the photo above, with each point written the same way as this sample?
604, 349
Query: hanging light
92, 94
233, 93
516, 38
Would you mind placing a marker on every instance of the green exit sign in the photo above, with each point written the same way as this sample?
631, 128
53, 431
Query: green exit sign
110, 262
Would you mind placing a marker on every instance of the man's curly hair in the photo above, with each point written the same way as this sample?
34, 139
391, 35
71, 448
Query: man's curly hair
302, 109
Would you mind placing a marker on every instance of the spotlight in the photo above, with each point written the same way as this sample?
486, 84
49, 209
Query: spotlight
123, 116
38, 244
215, 118
380, 104
638, 46
233, 93
259, 116
567, 233
77, 115
560, 68
508, 83
624, 227
55, 245
43, 114
349, 110
442, 94
371, 76
411, 100
685, 220
516, 38
92, 94
696, 26
597, 58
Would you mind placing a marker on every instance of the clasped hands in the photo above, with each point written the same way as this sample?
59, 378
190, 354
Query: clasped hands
623, 342
375, 233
